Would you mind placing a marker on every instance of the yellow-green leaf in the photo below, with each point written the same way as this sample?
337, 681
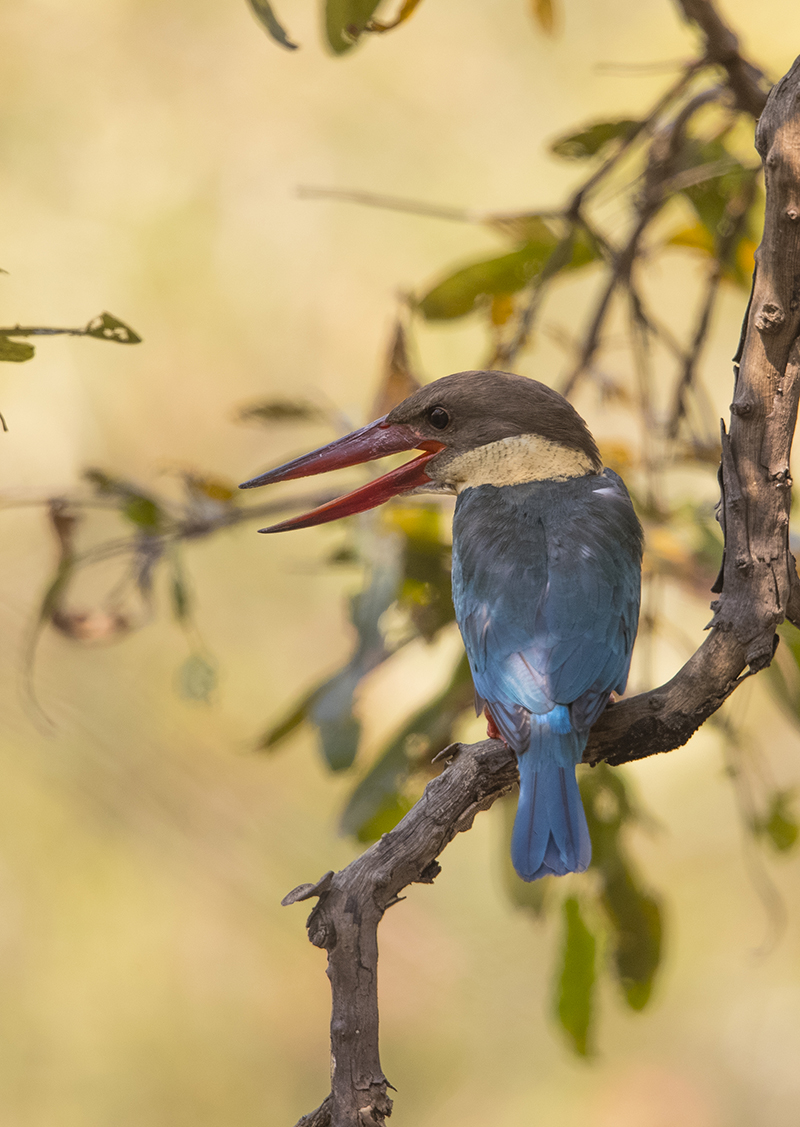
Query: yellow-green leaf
696, 236
16, 351
106, 327
575, 996
591, 141
636, 920
475, 285
389, 813
346, 21
429, 730
143, 512
779, 824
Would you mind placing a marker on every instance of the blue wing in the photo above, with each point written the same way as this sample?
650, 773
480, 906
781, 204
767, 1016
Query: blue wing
546, 580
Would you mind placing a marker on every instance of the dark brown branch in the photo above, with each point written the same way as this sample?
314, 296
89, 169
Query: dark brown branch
664, 150
759, 588
351, 904
746, 81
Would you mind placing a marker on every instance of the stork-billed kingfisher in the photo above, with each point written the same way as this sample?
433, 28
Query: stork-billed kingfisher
546, 574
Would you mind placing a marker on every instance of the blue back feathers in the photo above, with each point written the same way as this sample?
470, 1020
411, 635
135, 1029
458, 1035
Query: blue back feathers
546, 582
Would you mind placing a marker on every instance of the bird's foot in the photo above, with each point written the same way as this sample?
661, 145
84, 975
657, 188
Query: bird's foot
492, 731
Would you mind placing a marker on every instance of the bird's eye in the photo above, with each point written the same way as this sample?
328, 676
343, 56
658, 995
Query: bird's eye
438, 417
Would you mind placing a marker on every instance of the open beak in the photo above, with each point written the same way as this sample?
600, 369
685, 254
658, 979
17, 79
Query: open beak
376, 440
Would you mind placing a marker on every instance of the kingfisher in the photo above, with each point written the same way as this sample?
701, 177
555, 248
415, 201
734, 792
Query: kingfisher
546, 573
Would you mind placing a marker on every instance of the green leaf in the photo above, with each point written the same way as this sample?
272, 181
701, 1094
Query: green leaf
142, 511
779, 825
197, 678
345, 21
592, 139
106, 327
575, 996
523, 227
426, 733
378, 789
332, 713
473, 285
463, 291
783, 674
263, 12
284, 728
393, 808
634, 916
710, 196
728, 204
16, 351
104, 483
137, 507
330, 705
425, 591
636, 922
339, 739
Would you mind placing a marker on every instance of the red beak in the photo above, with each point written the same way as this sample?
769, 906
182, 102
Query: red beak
374, 441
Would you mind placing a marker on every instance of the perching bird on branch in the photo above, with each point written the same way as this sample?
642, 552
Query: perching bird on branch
546, 574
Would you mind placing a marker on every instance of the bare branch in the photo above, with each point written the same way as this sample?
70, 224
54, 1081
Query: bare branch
658, 173
747, 81
351, 905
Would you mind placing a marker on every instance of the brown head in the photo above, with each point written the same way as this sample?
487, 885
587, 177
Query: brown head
477, 428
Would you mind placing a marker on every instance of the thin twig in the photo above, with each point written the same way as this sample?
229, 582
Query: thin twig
745, 79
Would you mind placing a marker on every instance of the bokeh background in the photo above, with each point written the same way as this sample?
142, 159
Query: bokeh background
151, 153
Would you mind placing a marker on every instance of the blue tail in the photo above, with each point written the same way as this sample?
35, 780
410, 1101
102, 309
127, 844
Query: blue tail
550, 833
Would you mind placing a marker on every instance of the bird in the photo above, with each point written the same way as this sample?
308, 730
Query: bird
546, 574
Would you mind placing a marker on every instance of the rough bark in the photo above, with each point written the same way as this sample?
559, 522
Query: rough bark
351, 904
758, 587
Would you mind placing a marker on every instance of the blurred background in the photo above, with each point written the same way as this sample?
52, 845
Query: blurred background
151, 156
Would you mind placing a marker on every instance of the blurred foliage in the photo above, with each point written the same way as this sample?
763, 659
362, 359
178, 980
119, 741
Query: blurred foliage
577, 979
265, 15
779, 822
633, 916
346, 21
627, 918
592, 140
102, 327
468, 288
279, 411
670, 179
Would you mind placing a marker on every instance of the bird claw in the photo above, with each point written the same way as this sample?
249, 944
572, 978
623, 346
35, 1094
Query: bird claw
492, 731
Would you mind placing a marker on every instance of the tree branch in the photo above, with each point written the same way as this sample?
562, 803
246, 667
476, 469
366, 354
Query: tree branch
351, 905
759, 586
747, 81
